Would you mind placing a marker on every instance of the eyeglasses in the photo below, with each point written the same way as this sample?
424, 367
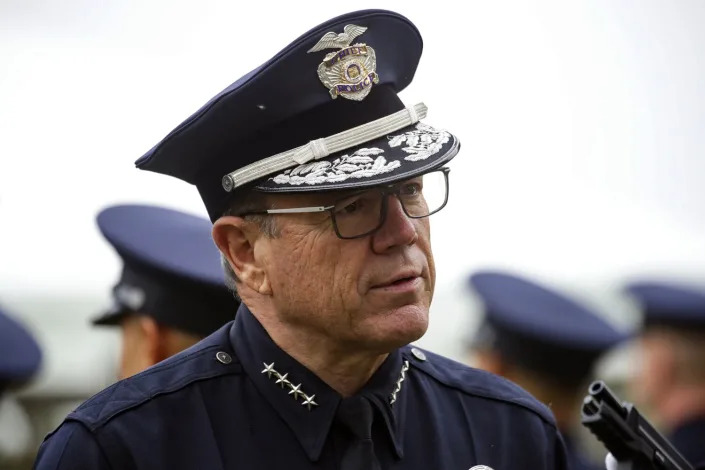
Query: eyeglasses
363, 213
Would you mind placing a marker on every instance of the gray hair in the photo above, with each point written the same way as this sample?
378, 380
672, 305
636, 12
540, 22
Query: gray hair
250, 201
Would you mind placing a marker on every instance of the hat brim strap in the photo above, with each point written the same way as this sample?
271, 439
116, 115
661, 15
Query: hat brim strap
321, 148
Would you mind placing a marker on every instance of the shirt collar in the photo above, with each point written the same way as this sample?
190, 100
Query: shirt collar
304, 401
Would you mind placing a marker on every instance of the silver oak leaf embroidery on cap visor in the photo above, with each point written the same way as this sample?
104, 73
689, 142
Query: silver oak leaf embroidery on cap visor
359, 164
421, 143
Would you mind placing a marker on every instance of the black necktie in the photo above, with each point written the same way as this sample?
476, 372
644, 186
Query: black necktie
355, 414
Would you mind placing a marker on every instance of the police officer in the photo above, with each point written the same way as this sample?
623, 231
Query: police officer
20, 360
543, 341
171, 293
20, 355
671, 379
319, 181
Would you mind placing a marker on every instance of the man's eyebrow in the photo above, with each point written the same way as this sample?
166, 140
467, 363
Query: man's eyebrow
335, 196
330, 197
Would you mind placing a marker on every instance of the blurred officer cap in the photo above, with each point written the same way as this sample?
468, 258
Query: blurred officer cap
667, 303
20, 355
171, 269
540, 329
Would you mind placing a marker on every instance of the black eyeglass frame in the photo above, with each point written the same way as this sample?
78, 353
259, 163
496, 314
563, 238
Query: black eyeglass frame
386, 190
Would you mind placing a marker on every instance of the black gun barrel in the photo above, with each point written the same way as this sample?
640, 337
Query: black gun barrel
627, 434
602, 393
590, 406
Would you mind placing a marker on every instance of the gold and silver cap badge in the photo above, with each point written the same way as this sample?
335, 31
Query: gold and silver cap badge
350, 71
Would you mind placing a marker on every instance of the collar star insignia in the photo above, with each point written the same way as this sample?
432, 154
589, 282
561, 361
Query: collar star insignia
284, 382
308, 401
400, 381
296, 391
282, 379
269, 370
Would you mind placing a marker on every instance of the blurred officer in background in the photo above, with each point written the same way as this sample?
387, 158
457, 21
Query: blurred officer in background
171, 293
20, 356
671, 379
20, 359
544, 342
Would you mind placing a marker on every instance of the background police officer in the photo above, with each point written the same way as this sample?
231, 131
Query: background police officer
20, 360
543, 341
171, 292
671, 348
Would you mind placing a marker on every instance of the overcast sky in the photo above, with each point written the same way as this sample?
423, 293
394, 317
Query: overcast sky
582, 128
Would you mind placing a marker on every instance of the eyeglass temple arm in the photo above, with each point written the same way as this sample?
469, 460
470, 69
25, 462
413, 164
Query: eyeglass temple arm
293, 210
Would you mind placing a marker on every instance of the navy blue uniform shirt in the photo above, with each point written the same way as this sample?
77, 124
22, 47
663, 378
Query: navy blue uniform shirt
237, 401
689, 439
576, 459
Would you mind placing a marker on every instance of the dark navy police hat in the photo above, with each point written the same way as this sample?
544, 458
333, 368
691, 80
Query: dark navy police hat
322, 114
171, 269
539, 329
20, 356
670, 304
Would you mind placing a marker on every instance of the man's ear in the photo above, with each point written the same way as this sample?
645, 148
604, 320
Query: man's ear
236, 239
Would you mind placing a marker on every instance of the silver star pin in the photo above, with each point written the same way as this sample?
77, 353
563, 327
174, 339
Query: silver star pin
296, 391
269, 369
283, 380
308, 401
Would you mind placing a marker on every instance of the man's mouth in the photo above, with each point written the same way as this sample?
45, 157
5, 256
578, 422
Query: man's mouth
407, 280
402, 281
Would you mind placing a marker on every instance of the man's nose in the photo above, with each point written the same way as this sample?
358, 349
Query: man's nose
398, 228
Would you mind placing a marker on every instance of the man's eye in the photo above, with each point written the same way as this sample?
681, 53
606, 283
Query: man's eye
410, 189
350, 206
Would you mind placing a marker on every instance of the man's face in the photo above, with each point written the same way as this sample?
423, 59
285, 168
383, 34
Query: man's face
656, 353
372, 292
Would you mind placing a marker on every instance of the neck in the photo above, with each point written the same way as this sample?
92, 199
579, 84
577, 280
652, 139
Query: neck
344, 368
681, 404
562, 400
565, 414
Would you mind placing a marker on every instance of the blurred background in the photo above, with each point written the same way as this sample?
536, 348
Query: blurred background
582, 161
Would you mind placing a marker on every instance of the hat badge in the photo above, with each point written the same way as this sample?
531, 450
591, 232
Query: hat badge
350, 71
129, 296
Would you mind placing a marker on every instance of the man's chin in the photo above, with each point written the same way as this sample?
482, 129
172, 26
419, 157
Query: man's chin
402, 325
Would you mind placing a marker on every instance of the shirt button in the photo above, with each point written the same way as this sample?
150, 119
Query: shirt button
418, 354
223, 357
